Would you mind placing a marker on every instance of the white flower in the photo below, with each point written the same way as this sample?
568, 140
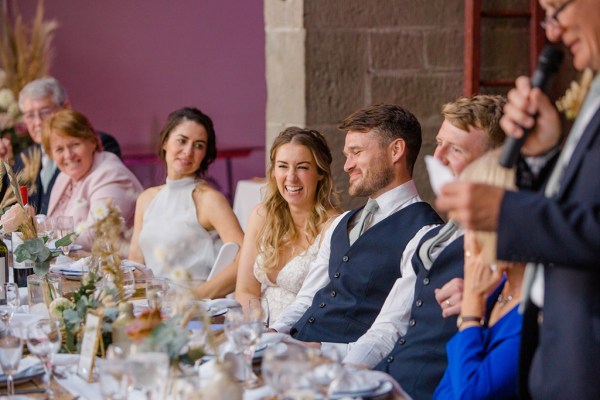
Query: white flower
180, 275
6, 98
100, 212
80, 228
13, 110
58, 306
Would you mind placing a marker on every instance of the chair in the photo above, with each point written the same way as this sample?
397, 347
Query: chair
224, 258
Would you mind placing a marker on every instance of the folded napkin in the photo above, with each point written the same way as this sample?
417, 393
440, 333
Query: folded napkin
439, 174
66, 266
217, 304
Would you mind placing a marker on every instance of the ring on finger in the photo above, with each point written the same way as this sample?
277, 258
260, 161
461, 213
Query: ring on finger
448, 302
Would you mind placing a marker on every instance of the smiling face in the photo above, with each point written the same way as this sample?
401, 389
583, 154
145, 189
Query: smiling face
185, 149
578, 28
457, 148
73, 156
368, 165
296, 175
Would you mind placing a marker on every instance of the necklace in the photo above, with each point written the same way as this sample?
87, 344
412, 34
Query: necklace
504, 301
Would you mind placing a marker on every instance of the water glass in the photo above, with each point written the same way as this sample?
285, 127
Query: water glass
243, 330
282, 367
149, 371
113, 374
44, 226
156, 292
65, 225
259, 307
8, 302
43, 341
11, 349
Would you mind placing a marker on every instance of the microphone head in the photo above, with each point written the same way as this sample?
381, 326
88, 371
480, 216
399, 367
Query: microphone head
548, 63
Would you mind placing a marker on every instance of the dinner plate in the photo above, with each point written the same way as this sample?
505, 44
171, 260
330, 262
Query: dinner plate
218, 312
383, 388
24, 376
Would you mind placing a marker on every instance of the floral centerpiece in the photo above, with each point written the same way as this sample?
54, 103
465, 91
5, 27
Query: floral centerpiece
101, 287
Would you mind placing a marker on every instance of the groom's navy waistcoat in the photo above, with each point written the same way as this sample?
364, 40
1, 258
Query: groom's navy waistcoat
361, 276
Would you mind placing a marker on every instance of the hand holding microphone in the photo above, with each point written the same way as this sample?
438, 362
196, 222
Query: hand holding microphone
548, 63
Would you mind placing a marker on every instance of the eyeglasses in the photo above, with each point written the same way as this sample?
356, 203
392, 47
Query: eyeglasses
551, 21
42, 114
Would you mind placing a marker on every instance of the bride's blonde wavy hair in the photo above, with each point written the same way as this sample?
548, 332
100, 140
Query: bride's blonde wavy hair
279, 229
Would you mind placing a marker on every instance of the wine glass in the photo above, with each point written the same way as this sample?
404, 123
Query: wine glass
149, 371
128, 283
260, 306
326, 367
44, 226
113, 374
65, 225
43, 341
282, 367
11, 349
156, 291
8, 302
243, 330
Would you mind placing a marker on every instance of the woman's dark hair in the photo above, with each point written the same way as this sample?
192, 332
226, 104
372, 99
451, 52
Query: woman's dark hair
195, 115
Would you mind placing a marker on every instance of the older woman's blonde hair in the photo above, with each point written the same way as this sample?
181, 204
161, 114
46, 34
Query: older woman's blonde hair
486, 169
69, 123
279, 230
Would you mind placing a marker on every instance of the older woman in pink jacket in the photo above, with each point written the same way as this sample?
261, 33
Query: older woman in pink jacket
89, 176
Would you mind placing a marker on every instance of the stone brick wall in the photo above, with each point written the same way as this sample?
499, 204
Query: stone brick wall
361, 52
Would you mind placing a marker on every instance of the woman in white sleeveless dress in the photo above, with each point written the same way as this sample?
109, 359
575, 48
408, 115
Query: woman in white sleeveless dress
282, 236
176, 223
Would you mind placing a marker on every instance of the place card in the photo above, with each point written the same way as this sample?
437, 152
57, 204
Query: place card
89, 344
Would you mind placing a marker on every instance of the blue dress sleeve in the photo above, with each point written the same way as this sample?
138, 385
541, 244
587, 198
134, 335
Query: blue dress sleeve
482, 362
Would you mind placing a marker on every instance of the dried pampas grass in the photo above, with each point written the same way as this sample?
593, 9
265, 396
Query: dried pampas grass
25, 51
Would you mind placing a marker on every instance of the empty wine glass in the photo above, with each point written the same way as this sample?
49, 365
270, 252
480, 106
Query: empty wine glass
243, 330
326, 367
260, 306
128, 283
156, 291
8, 302
65, 225
43, 341
113, 374
282, 367
149, 371
11, 349
44, 226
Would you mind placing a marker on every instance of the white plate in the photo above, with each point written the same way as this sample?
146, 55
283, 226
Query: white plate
383, 387
218, 312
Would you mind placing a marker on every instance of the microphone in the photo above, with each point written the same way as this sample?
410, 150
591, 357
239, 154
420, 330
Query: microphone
548, 63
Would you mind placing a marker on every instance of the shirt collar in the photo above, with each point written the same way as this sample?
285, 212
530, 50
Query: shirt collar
391, 200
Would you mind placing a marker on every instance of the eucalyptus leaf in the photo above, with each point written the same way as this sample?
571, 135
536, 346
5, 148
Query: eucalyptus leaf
65, 240
41, 268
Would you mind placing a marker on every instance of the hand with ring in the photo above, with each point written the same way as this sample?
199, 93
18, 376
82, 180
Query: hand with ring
449, 297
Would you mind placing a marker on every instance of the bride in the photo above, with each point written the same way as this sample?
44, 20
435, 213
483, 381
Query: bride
282, 236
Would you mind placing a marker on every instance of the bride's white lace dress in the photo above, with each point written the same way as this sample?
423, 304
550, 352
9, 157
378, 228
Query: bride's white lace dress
283, 291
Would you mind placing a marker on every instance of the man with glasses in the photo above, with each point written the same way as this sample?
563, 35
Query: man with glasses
38, 100
557, 229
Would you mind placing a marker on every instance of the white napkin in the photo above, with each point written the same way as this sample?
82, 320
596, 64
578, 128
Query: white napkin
439, 174
217, 304
69, 266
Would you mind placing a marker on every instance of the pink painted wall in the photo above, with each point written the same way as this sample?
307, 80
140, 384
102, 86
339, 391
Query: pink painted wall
127, 63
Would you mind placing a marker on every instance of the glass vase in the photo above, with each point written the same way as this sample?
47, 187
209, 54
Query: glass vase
41, 291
